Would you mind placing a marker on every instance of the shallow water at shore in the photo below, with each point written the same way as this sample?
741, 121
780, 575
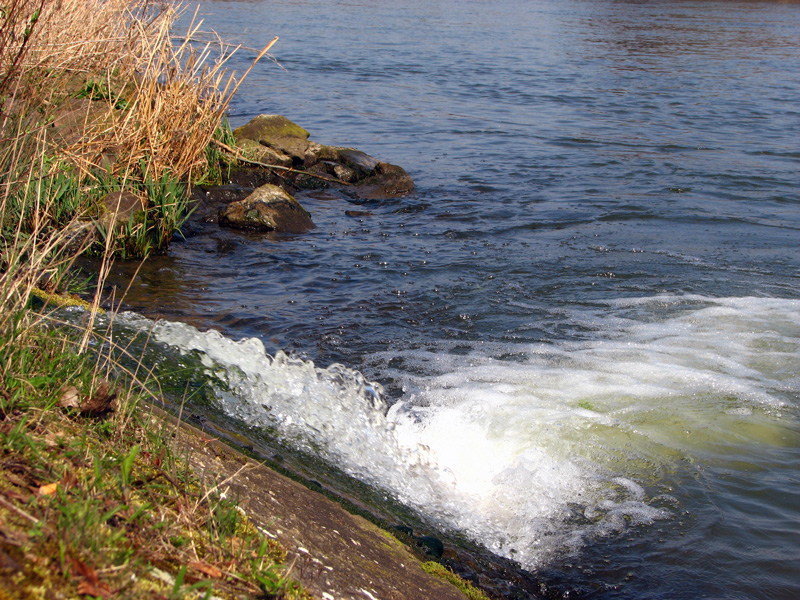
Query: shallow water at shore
587, 313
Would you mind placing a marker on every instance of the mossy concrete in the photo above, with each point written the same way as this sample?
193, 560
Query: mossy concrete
336, 555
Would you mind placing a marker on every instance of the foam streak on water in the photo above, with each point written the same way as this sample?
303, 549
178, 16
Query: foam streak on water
534, 450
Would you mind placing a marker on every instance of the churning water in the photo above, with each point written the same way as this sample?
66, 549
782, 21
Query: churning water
584, 324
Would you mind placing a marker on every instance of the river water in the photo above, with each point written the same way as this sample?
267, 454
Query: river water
586, 318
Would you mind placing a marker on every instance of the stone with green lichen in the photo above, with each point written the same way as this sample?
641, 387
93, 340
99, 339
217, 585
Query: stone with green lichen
268, 208
277, 132
62, 300
119, 207
255, 151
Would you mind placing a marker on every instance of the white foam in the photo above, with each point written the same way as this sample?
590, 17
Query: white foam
535, 456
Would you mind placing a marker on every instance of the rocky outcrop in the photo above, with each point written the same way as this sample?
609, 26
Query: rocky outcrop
268, 208
275, 140
278, 159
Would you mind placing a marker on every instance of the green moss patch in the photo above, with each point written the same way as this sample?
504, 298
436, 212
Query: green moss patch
439, 570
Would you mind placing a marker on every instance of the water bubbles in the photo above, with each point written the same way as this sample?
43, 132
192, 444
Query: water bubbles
531, 449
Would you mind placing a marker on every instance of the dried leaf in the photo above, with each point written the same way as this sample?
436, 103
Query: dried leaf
209, 570
158, 459
97, 590
101, 402
91, 584
49, 489
69, 480
15, 495
16, 479
85, 570
70, 398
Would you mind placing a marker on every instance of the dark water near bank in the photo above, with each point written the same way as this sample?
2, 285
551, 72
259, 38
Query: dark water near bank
589, 311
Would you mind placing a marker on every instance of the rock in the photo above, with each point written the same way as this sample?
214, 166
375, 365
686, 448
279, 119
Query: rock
120, 207
431, 546
258, 152
345, 174
387, 181
211, 199
70, 120
311, 154
78, 235
225, 194
277, 132
277, 140
317, 178
268, 208
404, 529
254, 177
359, 162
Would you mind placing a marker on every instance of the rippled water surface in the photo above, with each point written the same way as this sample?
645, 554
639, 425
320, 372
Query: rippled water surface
586, 317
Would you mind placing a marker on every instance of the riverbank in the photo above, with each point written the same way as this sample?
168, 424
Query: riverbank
101, 494
104, 495
335, 554
94, 500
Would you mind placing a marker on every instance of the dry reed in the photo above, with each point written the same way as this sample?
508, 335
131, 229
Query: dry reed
95, 89
155, 103
98, 90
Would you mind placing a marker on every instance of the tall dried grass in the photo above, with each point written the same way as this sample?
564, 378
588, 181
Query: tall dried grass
124, 93
174, 95
93, 91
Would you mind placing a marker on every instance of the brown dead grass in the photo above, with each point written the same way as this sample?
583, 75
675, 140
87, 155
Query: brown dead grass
163, 101
98, 89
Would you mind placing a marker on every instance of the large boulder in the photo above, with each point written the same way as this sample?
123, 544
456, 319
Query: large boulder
268, 208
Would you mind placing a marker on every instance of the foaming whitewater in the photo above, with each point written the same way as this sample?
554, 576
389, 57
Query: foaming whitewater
533, 450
